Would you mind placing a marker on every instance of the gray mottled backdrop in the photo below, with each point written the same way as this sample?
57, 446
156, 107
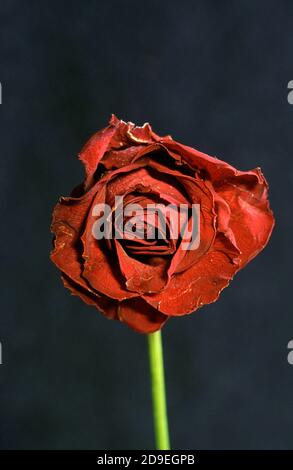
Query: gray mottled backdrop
214, 75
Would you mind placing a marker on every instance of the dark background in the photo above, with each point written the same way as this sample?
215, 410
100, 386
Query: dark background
214, 75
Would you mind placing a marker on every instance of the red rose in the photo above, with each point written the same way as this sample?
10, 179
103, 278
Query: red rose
143, 282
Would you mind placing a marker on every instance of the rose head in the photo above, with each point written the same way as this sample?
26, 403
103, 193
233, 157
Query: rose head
144, 281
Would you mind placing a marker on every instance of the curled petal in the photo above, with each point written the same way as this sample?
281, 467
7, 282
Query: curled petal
198, 193
142, 277
120, 158
251, 219
223, 218
68, 221
123, 184
104, 304
141, 135
93, 152
113, 137
213, 168
100, 267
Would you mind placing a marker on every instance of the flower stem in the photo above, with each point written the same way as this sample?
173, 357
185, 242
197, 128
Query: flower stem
158, 391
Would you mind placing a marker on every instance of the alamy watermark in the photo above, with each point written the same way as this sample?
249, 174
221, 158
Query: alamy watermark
290, 354
1, 357
290, 94
153, 221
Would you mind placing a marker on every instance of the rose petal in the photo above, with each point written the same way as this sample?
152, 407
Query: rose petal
198, 193
251, 219
140, 316
104, 304
101, 270
68, 220
116, 135
199, 285
142, 277
93, 151
135, 178
141, 134
216, 170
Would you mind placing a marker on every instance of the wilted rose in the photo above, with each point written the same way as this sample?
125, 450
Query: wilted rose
142, 281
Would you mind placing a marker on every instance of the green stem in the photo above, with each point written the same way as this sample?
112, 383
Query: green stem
158, 391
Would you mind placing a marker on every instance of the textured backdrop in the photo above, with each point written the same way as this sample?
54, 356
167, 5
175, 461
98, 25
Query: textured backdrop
214, 75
